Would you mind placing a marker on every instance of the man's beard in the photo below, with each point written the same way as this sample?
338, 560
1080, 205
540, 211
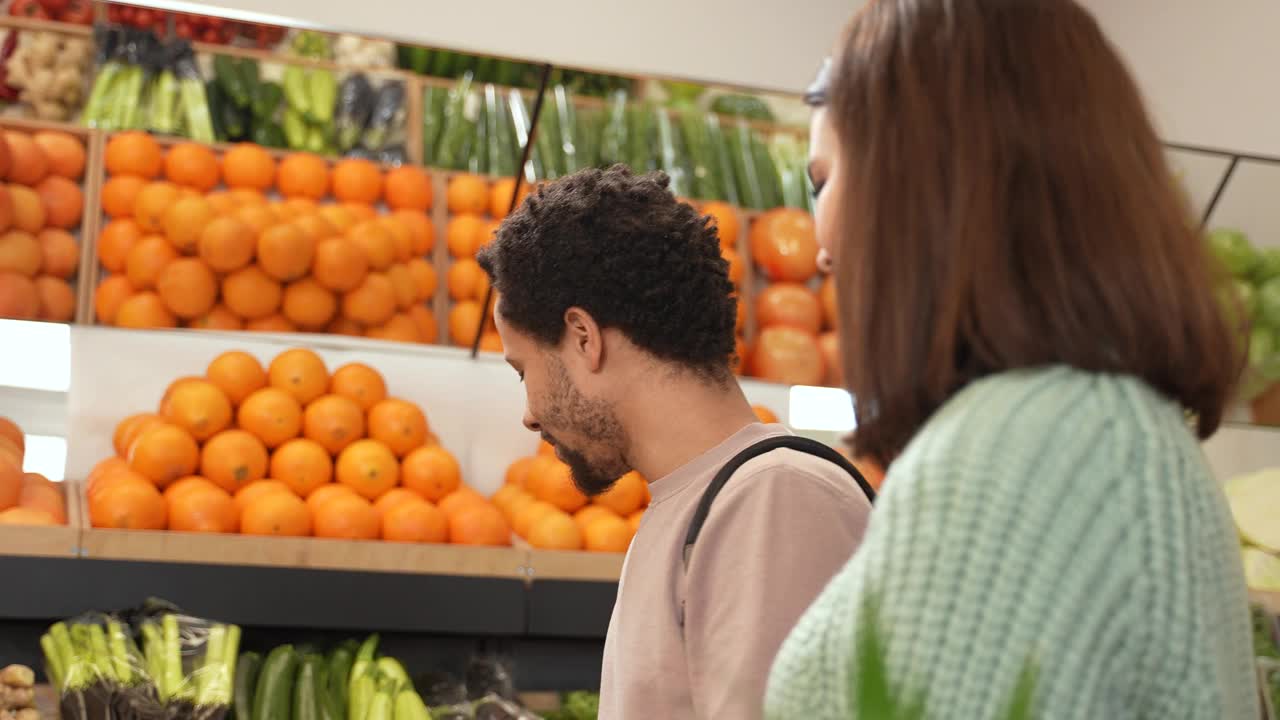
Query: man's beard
590, 418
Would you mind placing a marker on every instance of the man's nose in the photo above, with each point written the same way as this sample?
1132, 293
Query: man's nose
530, 423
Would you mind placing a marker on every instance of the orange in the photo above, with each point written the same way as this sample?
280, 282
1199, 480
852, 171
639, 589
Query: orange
59, 253
415, 522
128, 430
348, 517
66, 153
338, 217
506, 496
301, 373
555, 531
251, 293
277, 513
37, 493
272, 414
464, 322
424, 279
207, 510
238, 374
539, 470
144, 310
274, 323
285, 253
784, 244
479, 524
248, 166
325, 493
827, 297
378, 244
432, 472
373, 302
222, 201
29, 213
120, 193
333, 422
308, 304
487, 233
586, 515
187, 484
408, 188
608, 534
394, 497
20, 253
10, 483
232, 459
128, 506
361, 212
6, 205
57, 299
368, 467
460, 498
345, 326
556, 487
518, 471
529, 515
725, 217
400, 328
426, 323
403, 285
468, 194
420, 228
736, 268
466, 280
400, 235
303, 465
6, 159
226, 243
255, 490
463, 235
356, 180
163, 453
185, 222
106, 467
133, 153
200, 408
257, 216
245, 197
188, 287
626, 496
315, 227
152, 203
360, 383
500, 197
219, 318
399, 425
168, 391
789, 304
303, 175
29, 163
302, 206
9, 429
27, 516
764, 414
339, 264
633, 520
147, 259
63, 201
115, 241
191, 165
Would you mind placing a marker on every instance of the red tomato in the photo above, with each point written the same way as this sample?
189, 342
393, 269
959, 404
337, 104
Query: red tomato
79, 12
28, 9
53, 7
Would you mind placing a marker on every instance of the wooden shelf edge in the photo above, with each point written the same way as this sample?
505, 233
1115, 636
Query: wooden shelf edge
567, 565
13, 22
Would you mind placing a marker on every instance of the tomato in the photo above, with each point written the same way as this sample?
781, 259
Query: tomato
28, 9
210, 36
79, 12
143, 17
183, 29
53, 7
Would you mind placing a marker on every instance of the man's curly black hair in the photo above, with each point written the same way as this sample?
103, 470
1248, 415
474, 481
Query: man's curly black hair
621, 247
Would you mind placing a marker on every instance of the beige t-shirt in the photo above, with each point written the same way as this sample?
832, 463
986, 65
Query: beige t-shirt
777, 532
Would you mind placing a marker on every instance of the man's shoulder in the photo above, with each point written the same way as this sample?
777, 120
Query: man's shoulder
797, 474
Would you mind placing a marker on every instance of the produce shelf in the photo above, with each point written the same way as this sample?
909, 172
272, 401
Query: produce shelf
32, 542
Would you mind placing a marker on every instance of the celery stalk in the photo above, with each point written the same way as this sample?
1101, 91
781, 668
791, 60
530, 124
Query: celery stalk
172, 667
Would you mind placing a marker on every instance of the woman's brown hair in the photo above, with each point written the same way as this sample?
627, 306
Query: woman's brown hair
1008, 205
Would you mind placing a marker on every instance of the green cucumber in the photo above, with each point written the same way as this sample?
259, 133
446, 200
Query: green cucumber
456, 125
306, 689
266, 100
233, 80
613, 136
339, 674
247, 668
720, 158
273, 695
296, 92
433, 104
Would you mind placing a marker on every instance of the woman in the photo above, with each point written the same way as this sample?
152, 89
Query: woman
1030, 331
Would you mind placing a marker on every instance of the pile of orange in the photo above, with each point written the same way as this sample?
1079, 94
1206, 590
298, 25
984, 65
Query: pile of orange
289, 450
246, 242
795, 313
25, 498
476, 208
41, 206
549, 512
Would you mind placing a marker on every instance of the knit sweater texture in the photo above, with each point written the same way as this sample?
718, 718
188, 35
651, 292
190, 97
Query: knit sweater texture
1048, 516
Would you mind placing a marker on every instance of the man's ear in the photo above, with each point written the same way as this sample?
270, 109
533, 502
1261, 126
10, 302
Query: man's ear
583, 339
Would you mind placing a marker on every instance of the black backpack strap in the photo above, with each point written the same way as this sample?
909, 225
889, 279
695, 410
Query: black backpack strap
790, 442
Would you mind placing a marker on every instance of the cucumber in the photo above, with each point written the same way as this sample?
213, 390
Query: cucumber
544, 143
477, 154
718, 148
672, 154
744, 166
339, 673
246, 680
567, 125
613, 136
497, 148
273, 695
456, 125
639, 152
307, 689
233, 81
705, 180
766, 173
433, 104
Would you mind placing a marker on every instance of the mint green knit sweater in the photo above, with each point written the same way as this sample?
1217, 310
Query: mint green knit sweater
1052, 516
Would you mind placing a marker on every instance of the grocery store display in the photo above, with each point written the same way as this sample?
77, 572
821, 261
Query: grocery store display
25, 498
41, 208
178, 250
545, 508
289, 449
1254, 301
46, 71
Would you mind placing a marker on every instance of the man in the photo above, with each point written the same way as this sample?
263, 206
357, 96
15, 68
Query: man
617, 311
